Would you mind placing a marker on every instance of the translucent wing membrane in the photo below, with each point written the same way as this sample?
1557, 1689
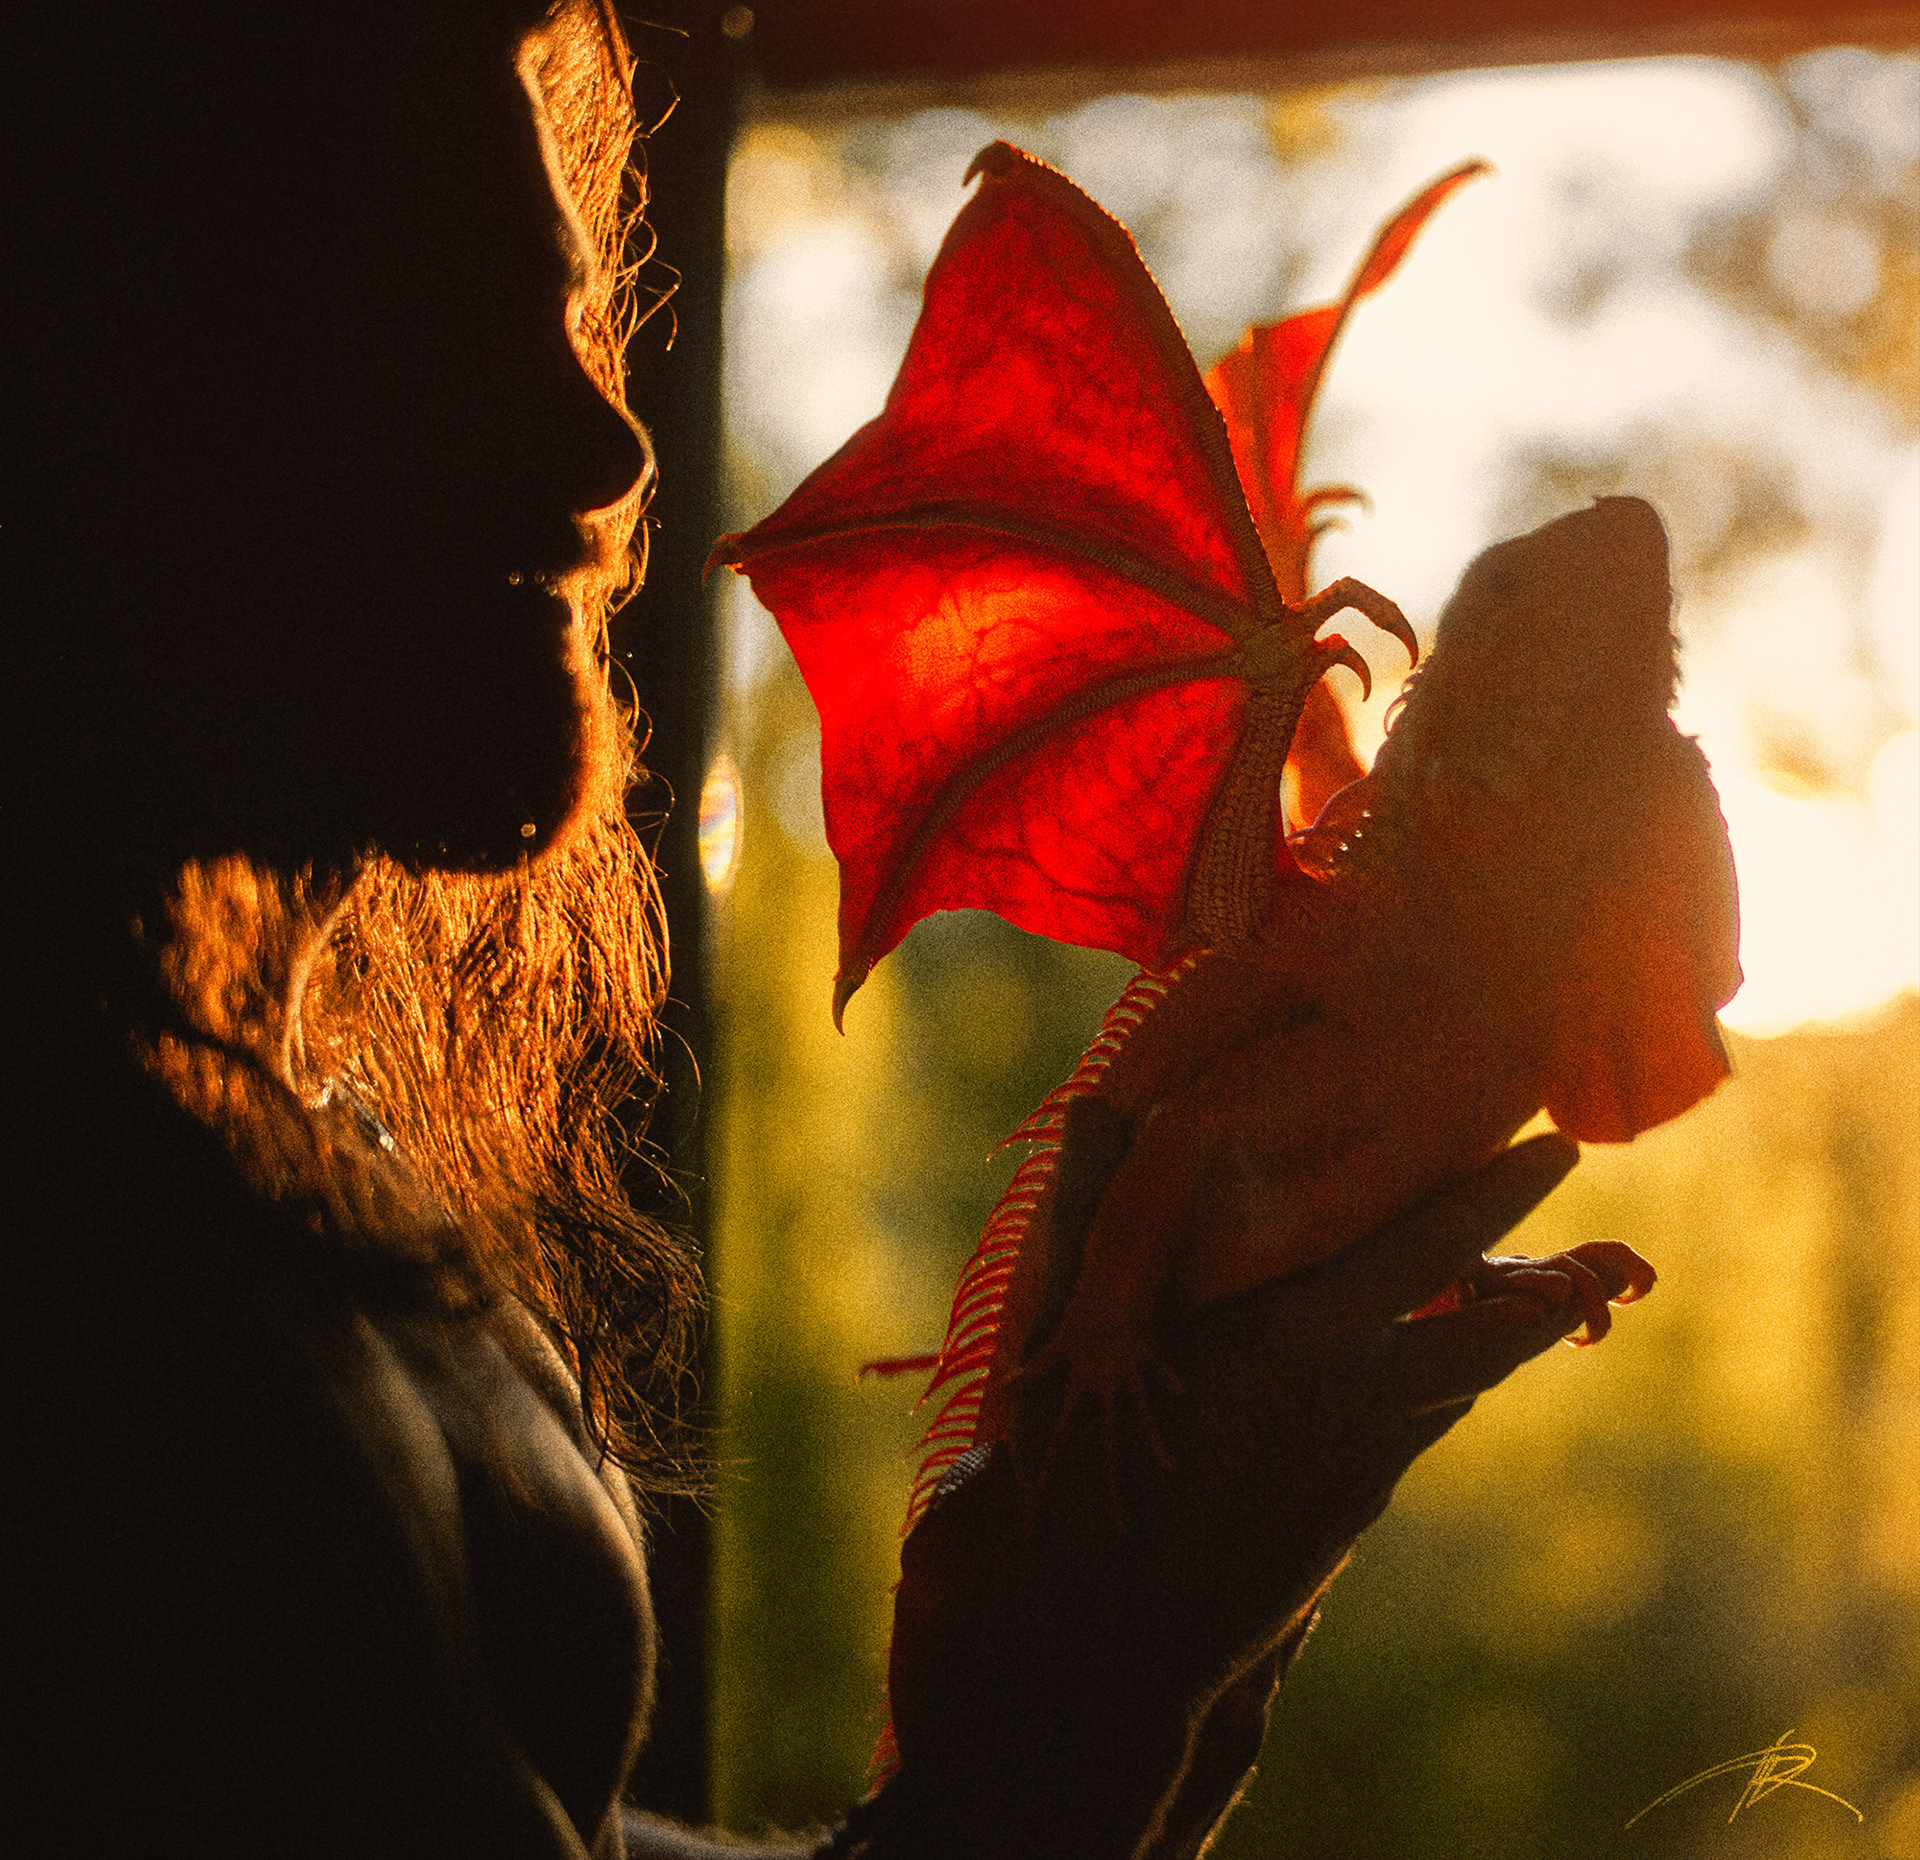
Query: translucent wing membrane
1029, 598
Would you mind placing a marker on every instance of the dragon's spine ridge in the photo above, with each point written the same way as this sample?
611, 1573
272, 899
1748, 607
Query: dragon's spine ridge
979, 1300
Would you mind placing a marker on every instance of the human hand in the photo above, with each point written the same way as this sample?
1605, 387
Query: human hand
1065, 1686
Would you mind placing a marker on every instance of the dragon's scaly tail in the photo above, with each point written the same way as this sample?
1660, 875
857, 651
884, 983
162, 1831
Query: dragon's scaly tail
980, 1299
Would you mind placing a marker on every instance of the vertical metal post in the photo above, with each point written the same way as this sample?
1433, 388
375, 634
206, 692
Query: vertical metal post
664, 635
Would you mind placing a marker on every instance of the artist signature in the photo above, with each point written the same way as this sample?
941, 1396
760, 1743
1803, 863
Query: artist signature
1776, 1767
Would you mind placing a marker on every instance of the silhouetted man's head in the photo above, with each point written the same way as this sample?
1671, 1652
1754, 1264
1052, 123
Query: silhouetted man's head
311, 379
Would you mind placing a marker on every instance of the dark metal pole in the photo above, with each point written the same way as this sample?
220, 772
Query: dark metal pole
664, 637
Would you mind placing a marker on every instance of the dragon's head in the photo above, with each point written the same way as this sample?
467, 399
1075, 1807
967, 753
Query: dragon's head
1547, 687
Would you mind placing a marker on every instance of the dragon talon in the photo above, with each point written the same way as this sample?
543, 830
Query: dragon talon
1617, 1265
1386, 615
1337, 596
1149, 1426
1599, 1273
1115, 1507
1593, 1306
1336, 651
1128, 1378
1336, 494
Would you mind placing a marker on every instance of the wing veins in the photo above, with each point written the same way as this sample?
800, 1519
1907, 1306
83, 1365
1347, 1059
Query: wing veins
1000, 163
1231, 617
960, 787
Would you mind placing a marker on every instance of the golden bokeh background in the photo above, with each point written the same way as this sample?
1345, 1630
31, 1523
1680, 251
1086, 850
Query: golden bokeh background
1695, 279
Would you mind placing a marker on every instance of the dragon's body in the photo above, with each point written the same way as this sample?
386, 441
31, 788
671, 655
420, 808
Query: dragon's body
1051, 604
1527, 904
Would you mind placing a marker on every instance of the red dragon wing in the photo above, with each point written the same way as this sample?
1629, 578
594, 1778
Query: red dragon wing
1019, 596
1265, 389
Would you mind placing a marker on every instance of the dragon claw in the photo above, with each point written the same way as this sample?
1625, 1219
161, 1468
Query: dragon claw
1339, 595
1599, 1274
1336, 651
1336, 494
1604, 1272
1104, 1381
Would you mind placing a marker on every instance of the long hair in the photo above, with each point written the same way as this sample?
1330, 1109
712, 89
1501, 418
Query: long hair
501, 1026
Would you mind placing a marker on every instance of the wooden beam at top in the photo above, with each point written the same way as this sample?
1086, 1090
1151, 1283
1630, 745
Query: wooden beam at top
795, 45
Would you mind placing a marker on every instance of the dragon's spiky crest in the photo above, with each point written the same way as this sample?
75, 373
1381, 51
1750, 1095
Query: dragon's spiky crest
979, 1300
